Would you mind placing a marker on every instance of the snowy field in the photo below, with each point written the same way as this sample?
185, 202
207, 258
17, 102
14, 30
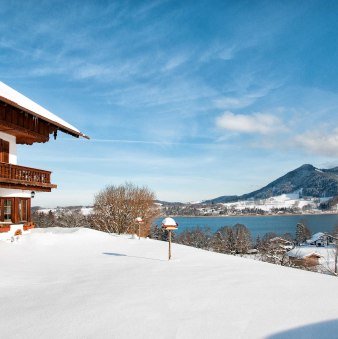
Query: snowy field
80, 283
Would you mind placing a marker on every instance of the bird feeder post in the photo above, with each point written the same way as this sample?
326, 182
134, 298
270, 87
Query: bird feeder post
139, 222
169, 256
169, 225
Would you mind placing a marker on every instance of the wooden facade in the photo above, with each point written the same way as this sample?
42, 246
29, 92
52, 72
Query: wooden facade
23, 122
15, 210
25, 178
4, 151
26, 127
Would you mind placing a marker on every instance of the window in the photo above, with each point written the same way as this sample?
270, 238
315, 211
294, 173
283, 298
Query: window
22, 210
15, 210
7, 209
4, 151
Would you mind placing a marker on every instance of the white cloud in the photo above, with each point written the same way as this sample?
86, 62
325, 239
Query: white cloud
319, 142
255, 123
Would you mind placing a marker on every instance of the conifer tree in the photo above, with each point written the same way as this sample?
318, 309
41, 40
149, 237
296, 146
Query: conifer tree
242, 238
302, 233
258, 242
230, 241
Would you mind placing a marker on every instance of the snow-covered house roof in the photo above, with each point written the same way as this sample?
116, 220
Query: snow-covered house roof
16, 99
315, 237
305, 252
280, 240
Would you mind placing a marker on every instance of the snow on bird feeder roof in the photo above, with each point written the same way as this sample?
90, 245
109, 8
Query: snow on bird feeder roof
169, 223
14, 98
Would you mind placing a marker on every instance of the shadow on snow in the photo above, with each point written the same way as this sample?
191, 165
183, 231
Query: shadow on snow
323, 330
130, 256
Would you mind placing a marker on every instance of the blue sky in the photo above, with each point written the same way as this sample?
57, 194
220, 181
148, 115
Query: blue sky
194, 99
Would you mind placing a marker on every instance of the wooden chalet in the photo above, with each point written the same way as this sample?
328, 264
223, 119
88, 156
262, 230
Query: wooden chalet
321, 239
305, 260
23, 121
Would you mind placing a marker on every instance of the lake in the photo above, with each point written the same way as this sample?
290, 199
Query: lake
260, 225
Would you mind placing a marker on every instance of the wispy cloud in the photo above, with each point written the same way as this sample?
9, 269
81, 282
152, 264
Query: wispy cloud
244, 100
233, 102
255, 123
319, 142
175, 62
151, 142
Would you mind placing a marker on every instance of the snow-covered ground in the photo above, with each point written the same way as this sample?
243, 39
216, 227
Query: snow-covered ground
47, 210
87, 210
81, 283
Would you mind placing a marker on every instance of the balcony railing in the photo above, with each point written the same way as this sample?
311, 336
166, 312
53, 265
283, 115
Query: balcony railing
15, 175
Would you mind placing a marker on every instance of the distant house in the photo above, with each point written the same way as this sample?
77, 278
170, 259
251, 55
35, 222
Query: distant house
278, 242
320, 239
304, 260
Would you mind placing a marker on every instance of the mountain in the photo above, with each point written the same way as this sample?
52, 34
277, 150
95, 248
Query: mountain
307, 179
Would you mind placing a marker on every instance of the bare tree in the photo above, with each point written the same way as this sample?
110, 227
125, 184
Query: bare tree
273, 249
117, 207
197, 237
223, 241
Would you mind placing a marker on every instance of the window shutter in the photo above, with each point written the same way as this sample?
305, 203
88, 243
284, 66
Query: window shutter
4, 151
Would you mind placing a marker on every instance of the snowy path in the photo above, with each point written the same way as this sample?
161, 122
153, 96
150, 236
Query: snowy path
80, 283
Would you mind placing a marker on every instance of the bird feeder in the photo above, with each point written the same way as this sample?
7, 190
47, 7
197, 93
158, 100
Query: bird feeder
169, 224
139, 221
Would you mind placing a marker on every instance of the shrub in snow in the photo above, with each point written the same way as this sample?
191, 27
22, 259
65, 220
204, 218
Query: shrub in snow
61, 218
197, 237
158, 233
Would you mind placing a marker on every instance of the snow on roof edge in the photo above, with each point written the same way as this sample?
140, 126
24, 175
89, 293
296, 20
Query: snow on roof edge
13, 97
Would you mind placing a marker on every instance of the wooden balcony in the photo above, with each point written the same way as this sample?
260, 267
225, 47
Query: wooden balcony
25, 178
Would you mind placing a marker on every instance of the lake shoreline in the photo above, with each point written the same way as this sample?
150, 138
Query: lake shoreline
260, 225
250, 215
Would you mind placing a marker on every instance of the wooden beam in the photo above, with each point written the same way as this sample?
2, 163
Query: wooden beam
26, 187
28, 183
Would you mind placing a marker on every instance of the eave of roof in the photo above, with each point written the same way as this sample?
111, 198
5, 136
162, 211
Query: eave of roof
18, 100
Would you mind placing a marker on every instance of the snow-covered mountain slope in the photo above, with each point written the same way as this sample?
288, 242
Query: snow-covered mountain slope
290, 200
308, 179
81, 283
